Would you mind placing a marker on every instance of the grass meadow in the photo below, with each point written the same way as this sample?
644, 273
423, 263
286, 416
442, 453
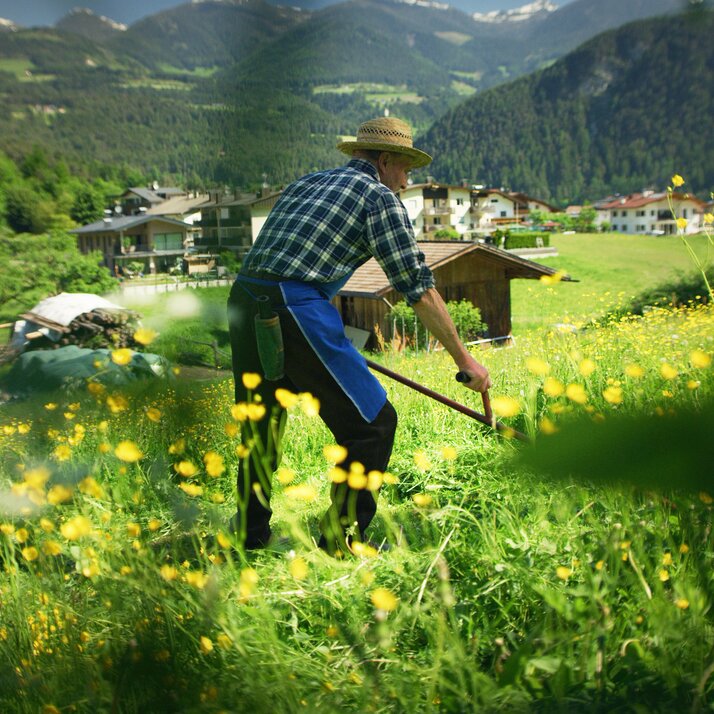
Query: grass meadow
573, 575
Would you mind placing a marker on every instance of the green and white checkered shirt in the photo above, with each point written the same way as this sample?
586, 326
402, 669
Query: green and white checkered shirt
328, 223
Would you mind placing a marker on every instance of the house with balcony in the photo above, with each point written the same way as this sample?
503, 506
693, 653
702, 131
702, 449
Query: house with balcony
137, 199
433, 206
650, 212
156, 241
493, 208
225, 223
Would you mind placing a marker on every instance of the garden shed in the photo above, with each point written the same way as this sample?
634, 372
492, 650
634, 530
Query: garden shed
475, 272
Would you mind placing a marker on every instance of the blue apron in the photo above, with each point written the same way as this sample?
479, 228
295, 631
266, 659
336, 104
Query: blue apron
321, 325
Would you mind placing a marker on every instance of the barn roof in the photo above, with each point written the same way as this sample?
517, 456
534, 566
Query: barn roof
370, 280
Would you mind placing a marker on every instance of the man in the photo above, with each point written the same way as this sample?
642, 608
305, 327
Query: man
323, 227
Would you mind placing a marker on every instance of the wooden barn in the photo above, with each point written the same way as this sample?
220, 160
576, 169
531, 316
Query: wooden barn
476, 272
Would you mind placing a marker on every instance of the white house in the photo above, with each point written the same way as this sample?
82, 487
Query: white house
432, 207
492, 208
650, 212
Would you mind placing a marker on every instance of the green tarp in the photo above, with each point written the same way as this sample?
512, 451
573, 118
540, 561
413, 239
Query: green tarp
71, 367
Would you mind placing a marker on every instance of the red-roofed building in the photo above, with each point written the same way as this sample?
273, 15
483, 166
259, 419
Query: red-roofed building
650, 212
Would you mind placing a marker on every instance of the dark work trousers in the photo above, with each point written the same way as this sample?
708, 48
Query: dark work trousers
369, 443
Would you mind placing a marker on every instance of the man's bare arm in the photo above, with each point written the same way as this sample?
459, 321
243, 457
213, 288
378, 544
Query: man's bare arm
432, 312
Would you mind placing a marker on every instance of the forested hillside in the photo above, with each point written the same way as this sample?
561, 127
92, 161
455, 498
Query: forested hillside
218, 93
626, 110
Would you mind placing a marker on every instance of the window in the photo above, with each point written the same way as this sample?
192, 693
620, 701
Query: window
503, 214
459, 201
494, 200
224, 213
614, 226
684, 213
168, 241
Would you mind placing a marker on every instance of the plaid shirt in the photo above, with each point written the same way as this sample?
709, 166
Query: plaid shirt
327, 224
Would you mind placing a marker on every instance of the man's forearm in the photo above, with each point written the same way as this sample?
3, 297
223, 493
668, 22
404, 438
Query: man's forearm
433, 314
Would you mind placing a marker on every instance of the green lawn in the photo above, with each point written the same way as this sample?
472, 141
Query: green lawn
610, 268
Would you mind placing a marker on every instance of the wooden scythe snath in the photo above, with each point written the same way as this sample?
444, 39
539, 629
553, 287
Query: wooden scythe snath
487, 418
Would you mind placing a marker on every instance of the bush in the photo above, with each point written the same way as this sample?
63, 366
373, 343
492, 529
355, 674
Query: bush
229, 261
447, 234
466, 317
526, 240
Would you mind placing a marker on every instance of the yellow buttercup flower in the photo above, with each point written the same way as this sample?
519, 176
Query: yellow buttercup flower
537, 366
449, 453
700, 359
586, 367
310, 405
505, 406
191, 489
286, 398
206, 645
30, 553
562, 572
128, 451
187, 469
62, 452
168, 572
547, 426
285, 475
122, 356
255, 412
301, 492
251, 380
117, 403
709, 218
421, 460
552, 387
335, 453
422, 499
677, 181
667, 371
613, 395
145, 336
76, 528
337, 475
214, 464
51, 548
298, 568
576, 393
682, 223
59, 493
634, 371
153, 414
384, 599
178, 447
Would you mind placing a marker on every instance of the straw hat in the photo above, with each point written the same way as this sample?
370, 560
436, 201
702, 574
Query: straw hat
386, 134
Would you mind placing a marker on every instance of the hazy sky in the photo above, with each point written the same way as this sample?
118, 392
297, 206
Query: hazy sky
47, 12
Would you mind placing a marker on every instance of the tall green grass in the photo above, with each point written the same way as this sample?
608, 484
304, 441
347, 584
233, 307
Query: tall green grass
503, 590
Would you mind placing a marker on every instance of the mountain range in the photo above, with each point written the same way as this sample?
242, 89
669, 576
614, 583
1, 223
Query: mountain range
627, 110
224, 92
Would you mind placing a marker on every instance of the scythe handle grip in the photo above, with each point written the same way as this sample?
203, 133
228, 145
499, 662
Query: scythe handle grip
464, 377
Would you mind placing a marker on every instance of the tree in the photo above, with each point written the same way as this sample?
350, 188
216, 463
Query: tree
88, 205
585, 222
33, 267
26, 211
